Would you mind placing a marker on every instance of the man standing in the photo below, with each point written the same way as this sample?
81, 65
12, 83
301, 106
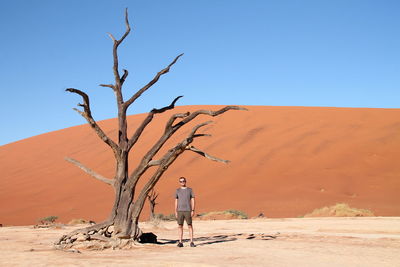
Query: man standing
184, 209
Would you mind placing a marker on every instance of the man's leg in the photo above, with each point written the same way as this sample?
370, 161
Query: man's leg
180, 231
191, 232
180, 228
190, 226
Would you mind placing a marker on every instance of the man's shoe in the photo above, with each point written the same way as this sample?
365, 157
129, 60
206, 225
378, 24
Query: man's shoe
180, 244
192, 244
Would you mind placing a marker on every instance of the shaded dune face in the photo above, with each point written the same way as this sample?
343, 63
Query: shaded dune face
285, 162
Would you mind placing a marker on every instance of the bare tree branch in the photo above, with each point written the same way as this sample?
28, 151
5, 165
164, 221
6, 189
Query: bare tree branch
200, 135
118, 80
204, 154
128, 27
123, 78
107, 85
171, 106
152, 196
112, 37
187, 117
168, 126
85, 97
88, 116
207, 112
154, 163
153, 81
198, 126
188, 139
147, 120
90, 171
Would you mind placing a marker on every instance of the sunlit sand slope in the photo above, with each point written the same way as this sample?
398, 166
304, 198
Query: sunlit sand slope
285, 162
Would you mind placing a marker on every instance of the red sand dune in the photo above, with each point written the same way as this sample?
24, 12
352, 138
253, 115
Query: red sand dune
286, 161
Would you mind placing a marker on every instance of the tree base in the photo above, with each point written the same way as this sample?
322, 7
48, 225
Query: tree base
97, 237
97, 244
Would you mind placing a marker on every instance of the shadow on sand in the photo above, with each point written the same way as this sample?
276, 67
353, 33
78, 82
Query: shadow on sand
209, 240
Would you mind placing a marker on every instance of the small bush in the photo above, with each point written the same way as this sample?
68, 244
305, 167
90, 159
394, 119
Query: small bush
77, 221
162, 217
48, 219
223, 215
240, 214
340, 210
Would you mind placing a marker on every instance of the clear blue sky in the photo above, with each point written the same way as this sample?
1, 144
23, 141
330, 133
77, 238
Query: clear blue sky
339, 53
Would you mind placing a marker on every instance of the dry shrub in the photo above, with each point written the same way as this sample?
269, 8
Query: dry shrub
223, 215
159, 218
340, 210
162, 217
156, 222
77, 221
48, 220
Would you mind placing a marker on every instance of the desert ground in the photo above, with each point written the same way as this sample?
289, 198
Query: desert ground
364, 241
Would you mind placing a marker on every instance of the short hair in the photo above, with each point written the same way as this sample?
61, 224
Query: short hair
183, 178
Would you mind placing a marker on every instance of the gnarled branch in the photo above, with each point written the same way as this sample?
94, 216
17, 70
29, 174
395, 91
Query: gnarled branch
123, 78
154, 163
171, 121
85, 98
152, 196
88, 116
128, 27
198, 126
90, 171
118, 79
171, 106
153, 81
200, 135
147, 120
107, 85
204, 154
188, 140
112, 37
207, 112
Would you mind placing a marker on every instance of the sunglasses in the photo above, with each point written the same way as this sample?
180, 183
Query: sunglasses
182, 182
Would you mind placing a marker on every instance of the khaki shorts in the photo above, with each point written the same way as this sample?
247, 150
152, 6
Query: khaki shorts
184, 215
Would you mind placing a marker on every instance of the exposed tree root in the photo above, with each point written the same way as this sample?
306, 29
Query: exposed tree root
96, 237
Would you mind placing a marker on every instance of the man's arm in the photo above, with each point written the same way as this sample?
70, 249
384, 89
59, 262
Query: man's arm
193, 205
176, 207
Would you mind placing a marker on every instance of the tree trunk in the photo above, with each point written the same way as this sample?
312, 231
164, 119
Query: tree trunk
121, 216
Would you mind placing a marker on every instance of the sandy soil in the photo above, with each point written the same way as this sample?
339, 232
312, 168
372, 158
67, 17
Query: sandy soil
373, 241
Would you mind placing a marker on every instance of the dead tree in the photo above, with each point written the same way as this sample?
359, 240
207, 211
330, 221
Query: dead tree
121, 227
152, 196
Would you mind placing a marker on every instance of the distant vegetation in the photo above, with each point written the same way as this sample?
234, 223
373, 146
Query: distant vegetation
78, 221
48, 219
227, 214
162, 217
212, 215
340, 210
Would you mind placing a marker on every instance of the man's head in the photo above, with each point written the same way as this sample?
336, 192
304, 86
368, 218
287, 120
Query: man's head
182, 181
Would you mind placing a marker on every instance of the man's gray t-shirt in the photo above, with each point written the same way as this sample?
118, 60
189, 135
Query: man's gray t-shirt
184, 195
